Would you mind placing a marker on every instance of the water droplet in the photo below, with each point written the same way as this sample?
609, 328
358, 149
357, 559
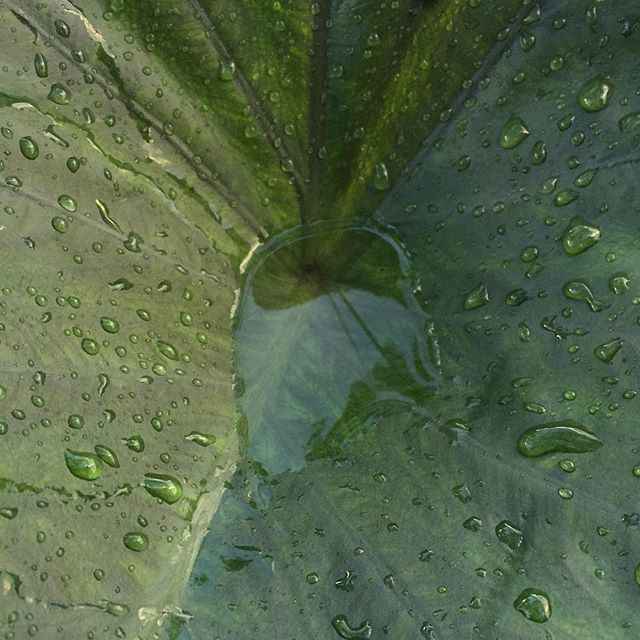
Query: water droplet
166, 488
462, 492
121, 284
566, 436
629, 122
516, 297
9, 512
607, 350
89, 346
539, 152
110, 325
585, 178
477, 297
103, 383
60, 224
510, 535
579, 236
534, 605
579, 290
167, 350
40, 65
107, 455
348, 632
619, 283
226, 70
59, 94
29, 148
514, 132
83, 464
135, 541
565, 197
381, 177
75, 421
595, 94
62, 28
135, 443
67, 203
203, 439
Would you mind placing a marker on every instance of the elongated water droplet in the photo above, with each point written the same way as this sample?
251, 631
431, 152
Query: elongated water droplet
565, 197
135, 443
203, 439
580, 290
135, 541
477, 297
534, 605
510, 535
103, 210
103, 383
167, 350
9, 512
83, 464
62, 28
381, 177
29, 148
107, 455
579, 236
513, 133
67, 203
595, 94
565, 436
121, 284
110, 325
59, 94
585, 178
166, 488
630, 122
348, 632
40, 65
539, 152
607, 350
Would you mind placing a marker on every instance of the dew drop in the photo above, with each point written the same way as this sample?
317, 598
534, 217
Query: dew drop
59, 94
566, 436
595, 94
135, 541
29, 148
166, 488
579, 236
534, 605
83, 464
348, 632
514, 132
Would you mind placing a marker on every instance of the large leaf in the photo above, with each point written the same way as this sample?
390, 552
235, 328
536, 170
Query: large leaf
384, 375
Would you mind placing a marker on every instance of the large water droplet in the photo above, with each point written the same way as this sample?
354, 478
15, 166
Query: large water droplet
345, 630
167, 488
203, 439
579, 236
135, 541
477, 297
579, 290
513, 133
595, 94
607, 350
566, 436
110, 325
534, 605
29, 148
40, 65
167, 350
83, 464
59, 94
510, 535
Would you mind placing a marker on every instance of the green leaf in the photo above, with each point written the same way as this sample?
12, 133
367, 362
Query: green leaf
317, 319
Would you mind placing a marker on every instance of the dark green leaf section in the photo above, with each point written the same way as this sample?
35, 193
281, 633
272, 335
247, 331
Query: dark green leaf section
422, 519
393, 72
